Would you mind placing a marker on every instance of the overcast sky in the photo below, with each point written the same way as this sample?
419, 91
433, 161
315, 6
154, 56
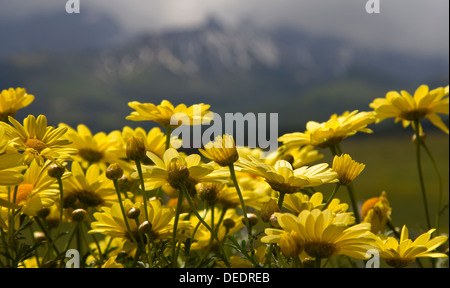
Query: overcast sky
418, 26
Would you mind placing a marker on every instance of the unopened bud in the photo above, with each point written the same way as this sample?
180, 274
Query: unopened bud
177, 173
209, 191
114, 172
309, 263
422, 137
145, 228
268, 209
228, 223
43, 213
39, 236
55, 171
273, 220
133, 213
136, 149
79, 215
289, 158
252, 219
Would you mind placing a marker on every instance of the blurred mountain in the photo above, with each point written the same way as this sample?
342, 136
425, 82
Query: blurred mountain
241, 69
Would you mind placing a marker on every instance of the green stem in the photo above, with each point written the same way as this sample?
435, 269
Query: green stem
318, 262
435, 166
188, 197
351, 193
336, 188
61, 204
244, 208
124, 215
144, 195
281, 199
175, 227
96, 242
419, 168
168, 135
47, 234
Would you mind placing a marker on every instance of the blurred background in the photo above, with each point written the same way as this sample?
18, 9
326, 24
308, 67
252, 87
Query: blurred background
303, 59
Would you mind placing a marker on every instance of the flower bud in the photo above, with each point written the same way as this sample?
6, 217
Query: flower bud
78, 215
39, 236
55, 171
422, 137
136, 149
252, 219
273, 220
145, 228
43, 213
133, 213
114, 172
208, 191
228, 223
268, 209
177, 173
289, 158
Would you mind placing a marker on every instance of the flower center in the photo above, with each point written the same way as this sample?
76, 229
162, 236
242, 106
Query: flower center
283, 187
36, 144
90, 155
320, 249
414, 114
89, 198
23, 191
399, 262
326, 143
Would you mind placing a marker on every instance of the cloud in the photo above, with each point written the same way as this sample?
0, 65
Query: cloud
411, 25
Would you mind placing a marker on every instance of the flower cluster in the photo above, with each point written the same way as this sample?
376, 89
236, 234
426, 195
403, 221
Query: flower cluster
131, 198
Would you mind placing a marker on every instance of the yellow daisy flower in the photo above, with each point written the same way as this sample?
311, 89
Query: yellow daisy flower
154, 141
12, 100
37, 140
406, 108
331, 132
100, 148
88, 189
110, 222
228, 197
283, 178
222, 150
377, 212
163, 113
11, 164
175, 169
298, 202
405, 251
346, 168
37, 191
322, 234
298, 157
